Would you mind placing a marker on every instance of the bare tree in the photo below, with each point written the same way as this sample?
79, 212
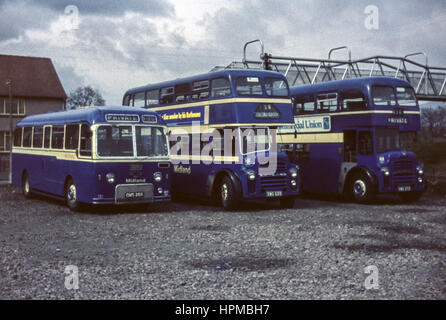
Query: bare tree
434, 121
84, 96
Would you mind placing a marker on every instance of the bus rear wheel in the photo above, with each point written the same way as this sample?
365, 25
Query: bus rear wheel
230, 200
361, 189
409, 197
26, 189
71, 196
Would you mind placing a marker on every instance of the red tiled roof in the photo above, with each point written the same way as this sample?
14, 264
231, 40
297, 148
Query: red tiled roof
31, 77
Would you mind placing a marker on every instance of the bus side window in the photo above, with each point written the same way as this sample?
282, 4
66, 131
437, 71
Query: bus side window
365, 143
71, 137
126, 100
57, 137
152, 98
166, 95
352, 101
220, 88
27, 137
182, 92
200, 89
327, 102
38, 137
304, 105
85, 145
46, 137
18, 137
139, 99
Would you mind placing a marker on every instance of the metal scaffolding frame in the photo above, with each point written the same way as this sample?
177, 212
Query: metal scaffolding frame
429, 82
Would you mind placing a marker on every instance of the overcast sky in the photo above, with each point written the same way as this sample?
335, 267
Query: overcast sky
115, 45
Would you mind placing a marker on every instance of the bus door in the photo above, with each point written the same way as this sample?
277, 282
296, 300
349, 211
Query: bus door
349, 156
365, 148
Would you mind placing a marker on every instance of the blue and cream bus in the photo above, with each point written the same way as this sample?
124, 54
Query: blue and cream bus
354, 137
100, 155
222, 133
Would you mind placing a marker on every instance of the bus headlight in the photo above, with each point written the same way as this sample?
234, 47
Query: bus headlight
293, 173
157, 176
420, 170
110, 177
293, 183
251, 175
385, 171
160, 190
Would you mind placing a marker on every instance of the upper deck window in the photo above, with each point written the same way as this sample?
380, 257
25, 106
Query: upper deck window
383, 96
304, 104
327, 102
200, 89
249, 86
354, 100
220, 87
126, 100
139, 99
166, 95
152, 98
406, 97
182, 92
276, 87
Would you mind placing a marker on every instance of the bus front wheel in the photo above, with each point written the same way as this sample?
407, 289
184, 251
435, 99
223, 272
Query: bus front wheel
361, 189
71, 196
230, 200
26, 189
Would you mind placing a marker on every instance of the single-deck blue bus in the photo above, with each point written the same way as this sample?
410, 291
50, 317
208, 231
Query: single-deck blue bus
232, 116
354, 137
100, 155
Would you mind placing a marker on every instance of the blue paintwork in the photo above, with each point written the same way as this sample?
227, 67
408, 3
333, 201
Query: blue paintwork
48, 175
202, 177
321, 173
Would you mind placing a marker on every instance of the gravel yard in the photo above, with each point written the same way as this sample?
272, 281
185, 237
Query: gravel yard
193, 250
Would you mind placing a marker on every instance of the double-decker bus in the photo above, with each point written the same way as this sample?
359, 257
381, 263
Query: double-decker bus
227, 121
100, 155
354, 137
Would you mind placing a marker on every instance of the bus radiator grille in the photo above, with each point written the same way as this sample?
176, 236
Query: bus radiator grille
403, 172
273, 183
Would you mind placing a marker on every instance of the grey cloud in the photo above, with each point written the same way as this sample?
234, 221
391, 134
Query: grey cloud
108, 7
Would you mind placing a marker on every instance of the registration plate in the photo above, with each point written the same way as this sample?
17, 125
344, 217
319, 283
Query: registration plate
404, 189
273, 194
134, 195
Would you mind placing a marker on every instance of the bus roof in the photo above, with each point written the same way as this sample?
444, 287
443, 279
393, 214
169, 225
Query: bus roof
347, 84
208, 76
91, 116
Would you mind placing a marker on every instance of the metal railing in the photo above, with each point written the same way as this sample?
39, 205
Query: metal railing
429, 82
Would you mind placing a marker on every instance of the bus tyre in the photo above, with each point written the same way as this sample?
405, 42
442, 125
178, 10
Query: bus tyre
361, 189
409, 197
26, 189
71, 196
230, 200
287, 202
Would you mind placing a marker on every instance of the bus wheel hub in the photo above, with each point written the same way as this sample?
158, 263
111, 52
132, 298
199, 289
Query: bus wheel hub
359, 188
